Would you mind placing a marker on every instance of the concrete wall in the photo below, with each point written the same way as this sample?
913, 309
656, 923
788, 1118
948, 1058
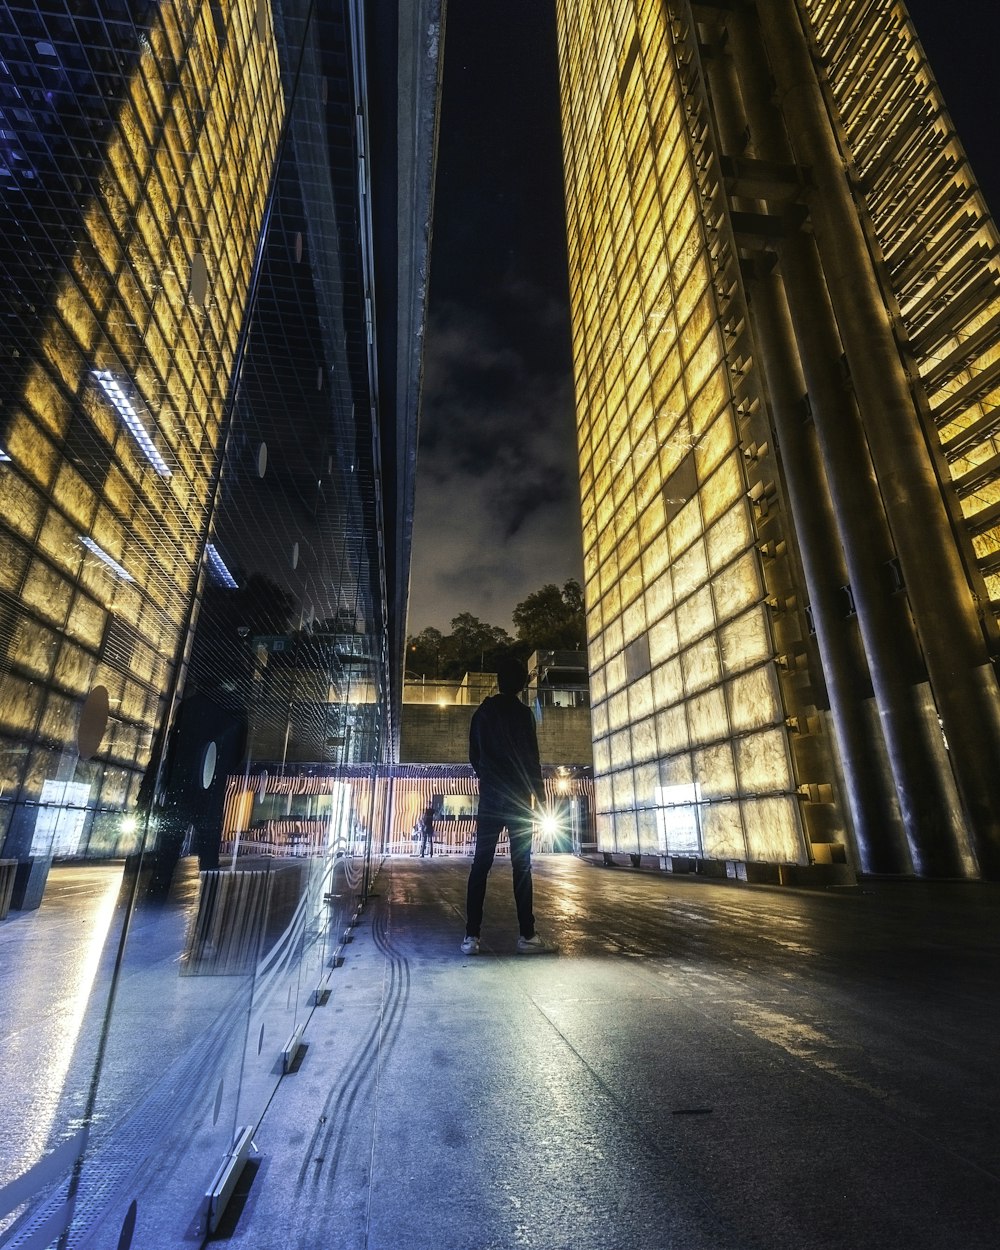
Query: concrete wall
435, 735
440, 735
564, 736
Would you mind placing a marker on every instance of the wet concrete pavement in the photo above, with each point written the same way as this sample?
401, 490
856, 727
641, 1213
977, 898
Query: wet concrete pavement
702, 1065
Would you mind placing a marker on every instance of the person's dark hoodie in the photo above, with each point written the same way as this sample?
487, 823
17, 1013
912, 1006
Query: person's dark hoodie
503, 751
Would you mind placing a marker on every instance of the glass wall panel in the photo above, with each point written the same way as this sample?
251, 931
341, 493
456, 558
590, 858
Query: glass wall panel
194, 633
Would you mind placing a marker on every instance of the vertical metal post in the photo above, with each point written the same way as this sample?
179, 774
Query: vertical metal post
962, 677
876, 825
920, 767
745, 120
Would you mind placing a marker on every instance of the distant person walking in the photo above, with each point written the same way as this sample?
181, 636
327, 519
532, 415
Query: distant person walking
503, 751
427, 832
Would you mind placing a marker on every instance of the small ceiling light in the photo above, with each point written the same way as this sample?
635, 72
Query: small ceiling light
113, 389
4, 457
108, 560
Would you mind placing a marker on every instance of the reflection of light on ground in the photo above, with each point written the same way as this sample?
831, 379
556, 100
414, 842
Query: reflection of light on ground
50, 960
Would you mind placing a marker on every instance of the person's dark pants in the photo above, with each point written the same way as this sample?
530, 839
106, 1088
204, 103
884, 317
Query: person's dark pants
489, 826
427, 845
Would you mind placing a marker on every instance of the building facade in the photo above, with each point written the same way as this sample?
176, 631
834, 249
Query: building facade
436, 715
786, 346
129, 237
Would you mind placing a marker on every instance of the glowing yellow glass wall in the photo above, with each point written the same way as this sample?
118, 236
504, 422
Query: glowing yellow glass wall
152, 293
691, 749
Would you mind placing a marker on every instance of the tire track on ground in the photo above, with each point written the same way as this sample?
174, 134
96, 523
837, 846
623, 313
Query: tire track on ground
340, 1116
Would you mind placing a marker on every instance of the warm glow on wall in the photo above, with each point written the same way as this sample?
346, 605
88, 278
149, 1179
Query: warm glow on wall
685, 697
110, 445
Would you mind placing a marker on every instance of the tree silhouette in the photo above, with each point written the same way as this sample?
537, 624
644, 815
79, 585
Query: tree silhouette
549, 619
229, 620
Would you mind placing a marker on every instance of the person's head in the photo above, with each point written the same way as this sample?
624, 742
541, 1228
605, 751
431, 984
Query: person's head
512, 675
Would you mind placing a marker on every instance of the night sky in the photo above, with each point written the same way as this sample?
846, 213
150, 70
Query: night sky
497, 510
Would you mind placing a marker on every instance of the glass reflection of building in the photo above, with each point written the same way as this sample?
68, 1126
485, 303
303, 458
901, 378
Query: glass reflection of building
143, 217
130, 229
786, 335
213, 252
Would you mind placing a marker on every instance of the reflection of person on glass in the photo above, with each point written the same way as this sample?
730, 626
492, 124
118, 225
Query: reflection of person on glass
427, 832
503, 751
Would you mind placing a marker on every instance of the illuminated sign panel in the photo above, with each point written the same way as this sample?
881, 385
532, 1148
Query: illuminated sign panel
62, 813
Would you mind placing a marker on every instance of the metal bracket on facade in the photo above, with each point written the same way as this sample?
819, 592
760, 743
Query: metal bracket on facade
771, 181
224, 1181
291, 1049
753, 227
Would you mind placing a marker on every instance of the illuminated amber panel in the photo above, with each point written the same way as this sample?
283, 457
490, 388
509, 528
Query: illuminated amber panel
119, 303
669, 547
936, 234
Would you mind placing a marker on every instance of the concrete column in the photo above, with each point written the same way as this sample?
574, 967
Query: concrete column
962, 676
880, 848
870, 788
894, 659
920, 763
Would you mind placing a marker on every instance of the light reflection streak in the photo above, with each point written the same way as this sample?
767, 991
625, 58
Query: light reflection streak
52, 1061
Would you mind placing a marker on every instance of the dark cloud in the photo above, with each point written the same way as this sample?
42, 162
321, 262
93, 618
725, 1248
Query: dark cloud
497, 511
497, 486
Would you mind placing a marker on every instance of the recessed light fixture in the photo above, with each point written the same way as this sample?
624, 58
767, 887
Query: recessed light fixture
114, 391
110, 561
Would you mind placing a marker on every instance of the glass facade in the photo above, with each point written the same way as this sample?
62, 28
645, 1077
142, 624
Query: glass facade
938, 240
784, 386
130, 235
198, 580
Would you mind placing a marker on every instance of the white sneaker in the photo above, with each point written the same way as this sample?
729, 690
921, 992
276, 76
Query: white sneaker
470, 946
534, 946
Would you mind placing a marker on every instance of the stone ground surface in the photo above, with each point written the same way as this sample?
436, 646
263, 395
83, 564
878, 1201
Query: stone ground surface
701, 1066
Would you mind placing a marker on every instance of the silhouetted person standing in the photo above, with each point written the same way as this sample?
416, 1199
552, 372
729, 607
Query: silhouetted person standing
427, 832
503, 751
